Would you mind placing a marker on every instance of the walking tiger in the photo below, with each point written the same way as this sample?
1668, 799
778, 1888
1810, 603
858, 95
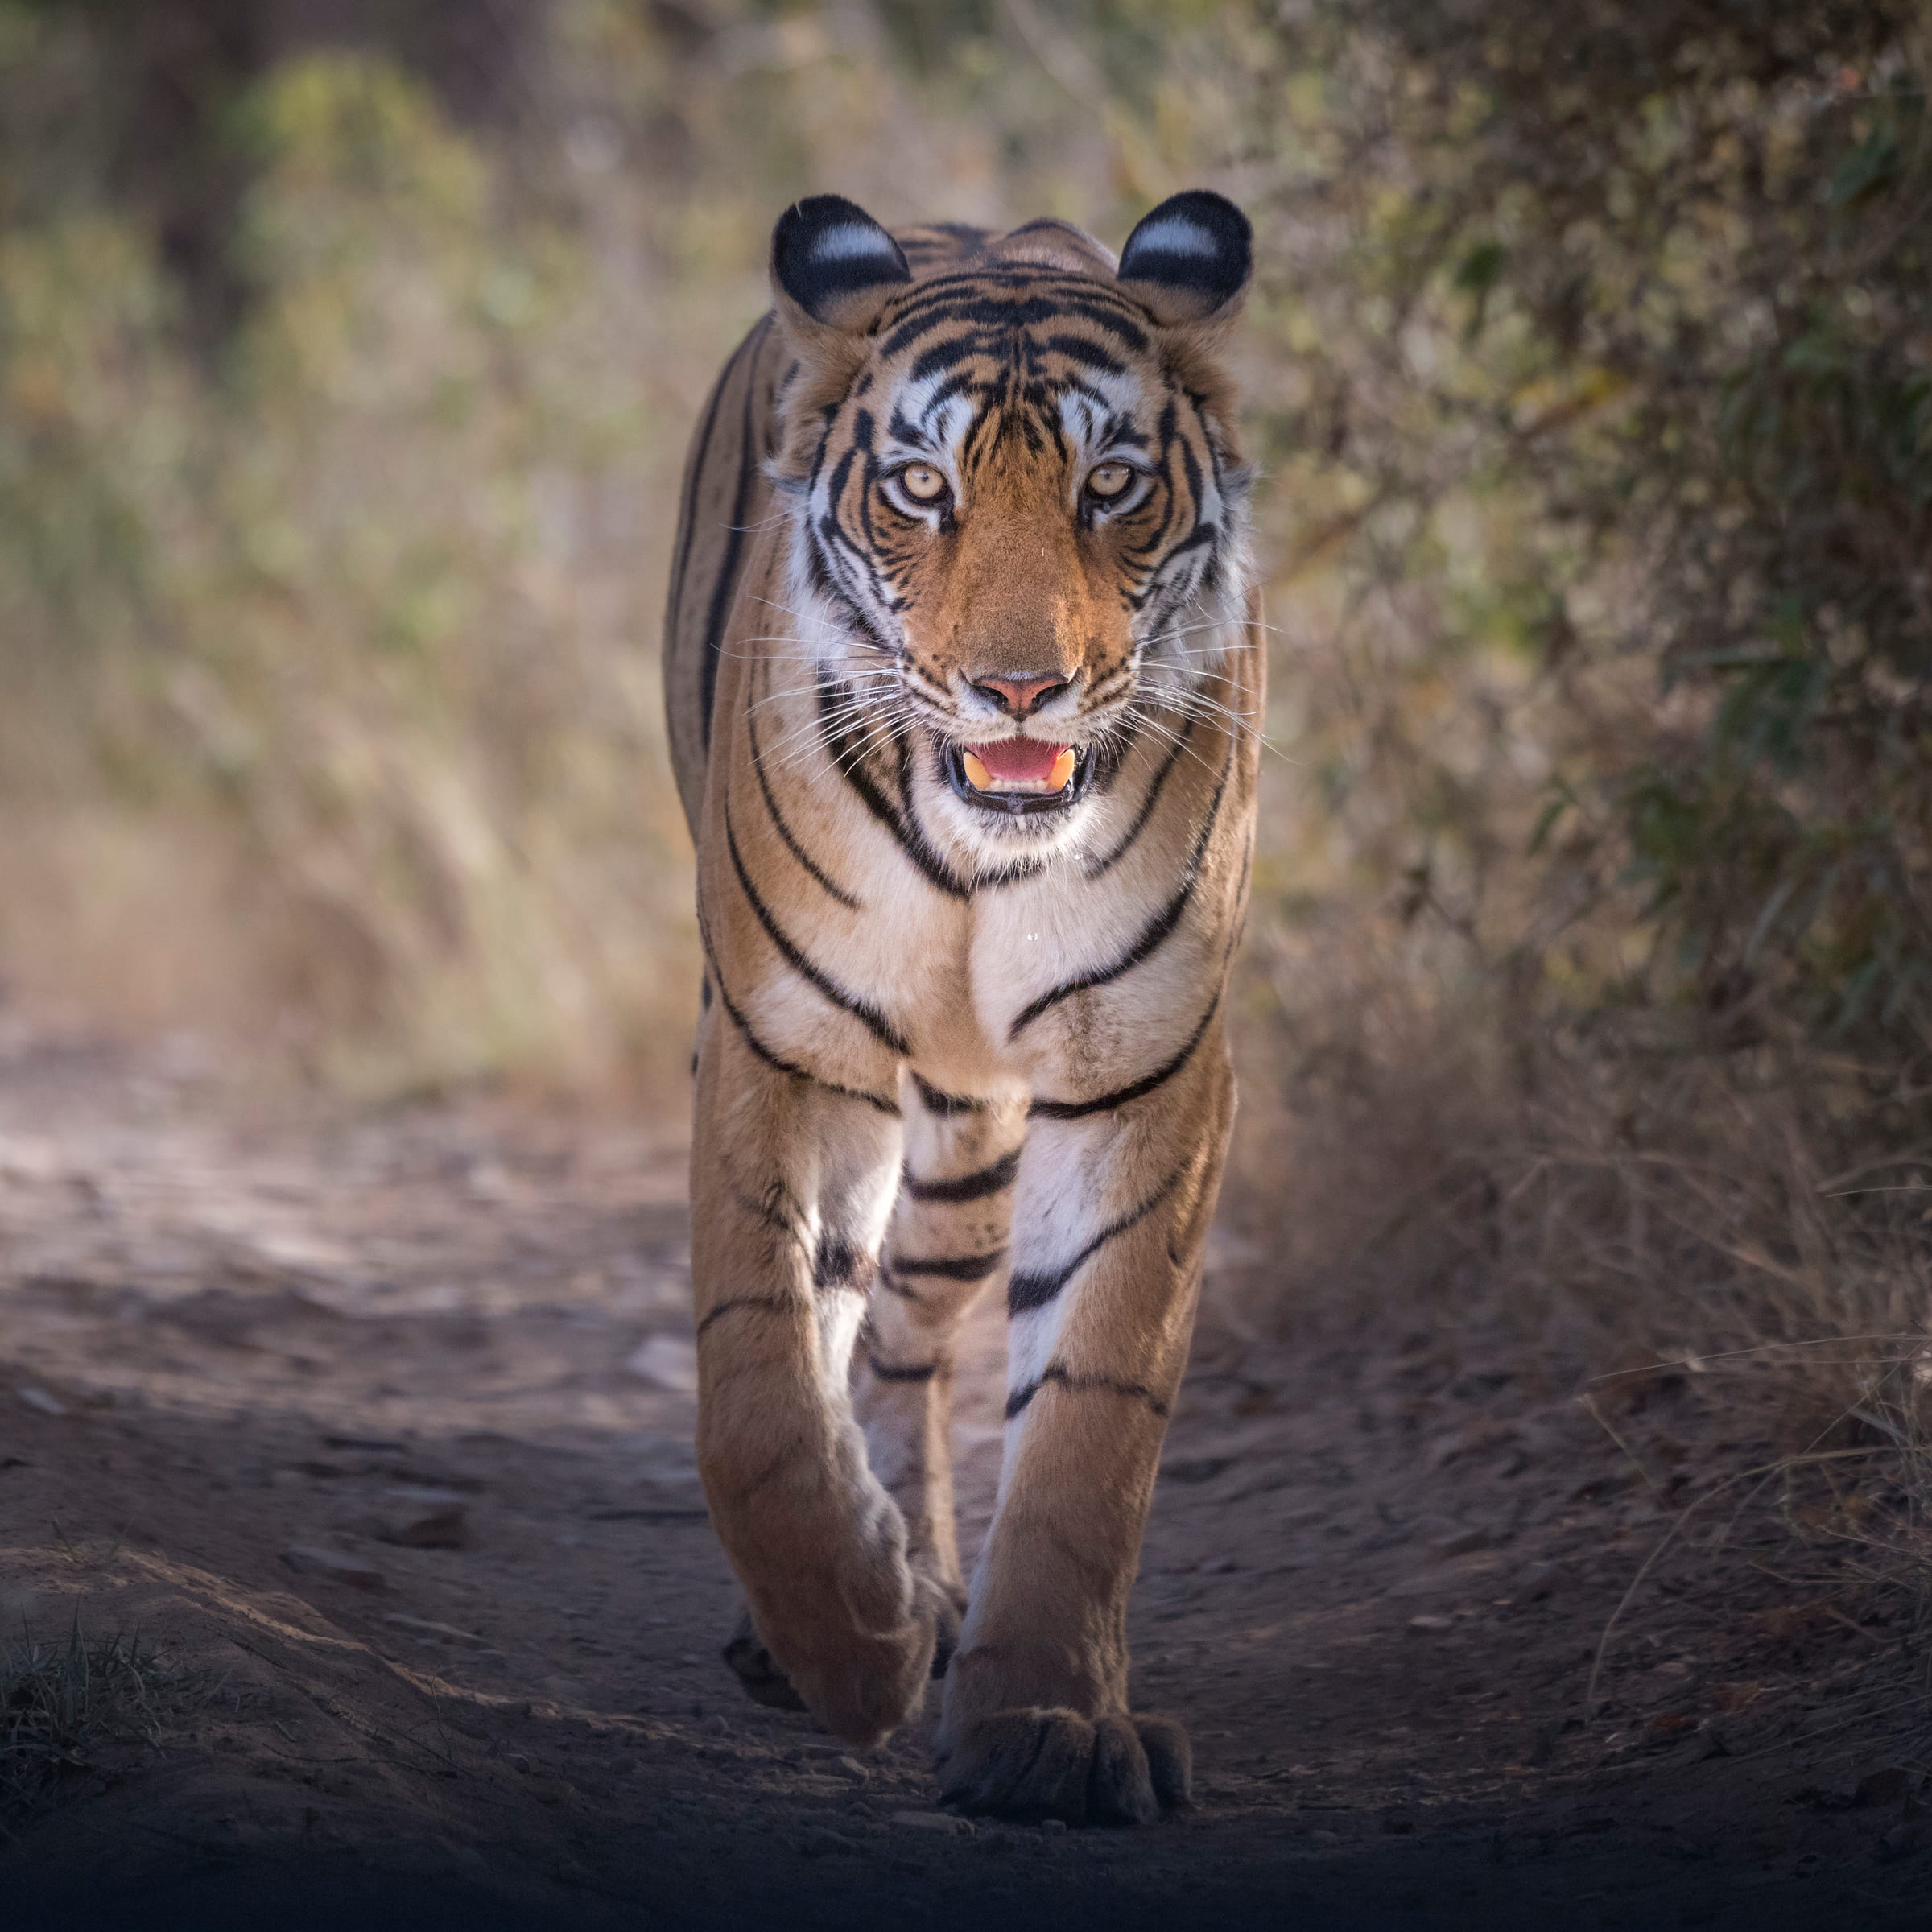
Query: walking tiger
963, 667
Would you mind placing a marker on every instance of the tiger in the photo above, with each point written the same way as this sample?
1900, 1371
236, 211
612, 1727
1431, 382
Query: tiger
963, 674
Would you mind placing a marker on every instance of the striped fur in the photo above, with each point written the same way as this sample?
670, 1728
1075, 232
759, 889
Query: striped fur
949, 1047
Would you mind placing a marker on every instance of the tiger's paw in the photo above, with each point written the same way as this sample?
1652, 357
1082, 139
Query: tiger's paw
863, 1690
1033, 1764
757, 1674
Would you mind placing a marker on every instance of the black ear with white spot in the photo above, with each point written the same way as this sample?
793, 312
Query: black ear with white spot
833, 264
1191, 259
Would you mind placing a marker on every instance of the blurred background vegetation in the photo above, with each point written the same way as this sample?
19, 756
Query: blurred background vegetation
347, 355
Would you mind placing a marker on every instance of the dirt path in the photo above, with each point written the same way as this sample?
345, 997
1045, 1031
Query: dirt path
376, 1428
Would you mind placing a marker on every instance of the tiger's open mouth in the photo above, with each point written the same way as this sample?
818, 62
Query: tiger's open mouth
1019, 775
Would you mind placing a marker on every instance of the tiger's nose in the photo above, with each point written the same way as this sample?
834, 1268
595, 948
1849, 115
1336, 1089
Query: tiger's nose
1020, 696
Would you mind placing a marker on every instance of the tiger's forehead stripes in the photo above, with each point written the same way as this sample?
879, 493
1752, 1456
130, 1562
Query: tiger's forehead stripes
1023, 366
1025, 338
1004, 299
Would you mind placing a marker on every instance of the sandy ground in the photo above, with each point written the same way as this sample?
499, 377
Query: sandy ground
375, 1427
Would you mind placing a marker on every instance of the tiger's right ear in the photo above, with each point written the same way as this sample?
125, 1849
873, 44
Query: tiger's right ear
833, 268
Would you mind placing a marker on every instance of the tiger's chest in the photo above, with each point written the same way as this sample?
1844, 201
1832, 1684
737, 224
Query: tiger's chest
856, 938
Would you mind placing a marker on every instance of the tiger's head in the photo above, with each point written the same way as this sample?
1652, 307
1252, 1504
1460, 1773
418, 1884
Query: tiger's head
1018, 515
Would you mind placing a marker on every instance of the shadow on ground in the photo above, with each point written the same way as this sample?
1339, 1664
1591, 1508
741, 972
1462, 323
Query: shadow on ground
376, 1429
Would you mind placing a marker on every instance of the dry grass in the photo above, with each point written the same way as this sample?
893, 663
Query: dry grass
68, 1706
1744, 1301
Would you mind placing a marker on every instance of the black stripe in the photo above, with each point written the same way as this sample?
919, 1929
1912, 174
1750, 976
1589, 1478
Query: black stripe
819, 570
1083, 1385
734, 542
1158, 931
748, 1301
1077, 349
837, 1263
951, 1267
1074, 1110
771, 1211
687, 510
963, 298
778, 818
867, 1015
1166, 436
777, 1062
1147, 804
995, 1179
948, 354
1028, 1291
894, 1287
848, 760
891, 1372
936, 1102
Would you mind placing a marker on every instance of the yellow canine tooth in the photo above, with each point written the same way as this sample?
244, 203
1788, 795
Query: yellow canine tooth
977, 775
1062, 770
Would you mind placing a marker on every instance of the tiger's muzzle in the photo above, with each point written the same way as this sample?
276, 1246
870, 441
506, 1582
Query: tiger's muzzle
1020, 777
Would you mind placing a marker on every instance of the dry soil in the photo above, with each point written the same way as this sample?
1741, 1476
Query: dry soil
375, 1426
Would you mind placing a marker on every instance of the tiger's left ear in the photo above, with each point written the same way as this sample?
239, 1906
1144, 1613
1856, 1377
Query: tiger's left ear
833, 268
1189, 260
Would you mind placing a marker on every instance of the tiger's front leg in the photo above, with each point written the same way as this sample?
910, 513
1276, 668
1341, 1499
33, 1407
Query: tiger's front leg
792, 1181
1110, 1221
948, 1247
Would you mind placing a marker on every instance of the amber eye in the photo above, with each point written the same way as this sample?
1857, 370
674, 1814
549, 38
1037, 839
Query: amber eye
1109, 480
923, 483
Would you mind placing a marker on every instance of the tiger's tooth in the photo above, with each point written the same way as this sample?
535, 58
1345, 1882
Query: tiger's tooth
977, 775
1062, 770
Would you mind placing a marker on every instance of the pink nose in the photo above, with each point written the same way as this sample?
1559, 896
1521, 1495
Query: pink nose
1021, 695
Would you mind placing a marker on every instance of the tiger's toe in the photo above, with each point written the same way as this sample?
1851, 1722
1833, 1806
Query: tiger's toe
860, 1691
1036, 1764
758, 1674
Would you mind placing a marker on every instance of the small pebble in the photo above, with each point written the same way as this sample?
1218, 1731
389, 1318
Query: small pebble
337, 1565
935, 1821
419, 1519
1052, 1827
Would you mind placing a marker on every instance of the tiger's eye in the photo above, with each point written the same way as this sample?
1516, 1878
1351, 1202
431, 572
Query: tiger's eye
1110, 480
923, 483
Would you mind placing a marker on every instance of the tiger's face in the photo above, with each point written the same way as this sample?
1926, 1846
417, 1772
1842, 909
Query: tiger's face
1018, 516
